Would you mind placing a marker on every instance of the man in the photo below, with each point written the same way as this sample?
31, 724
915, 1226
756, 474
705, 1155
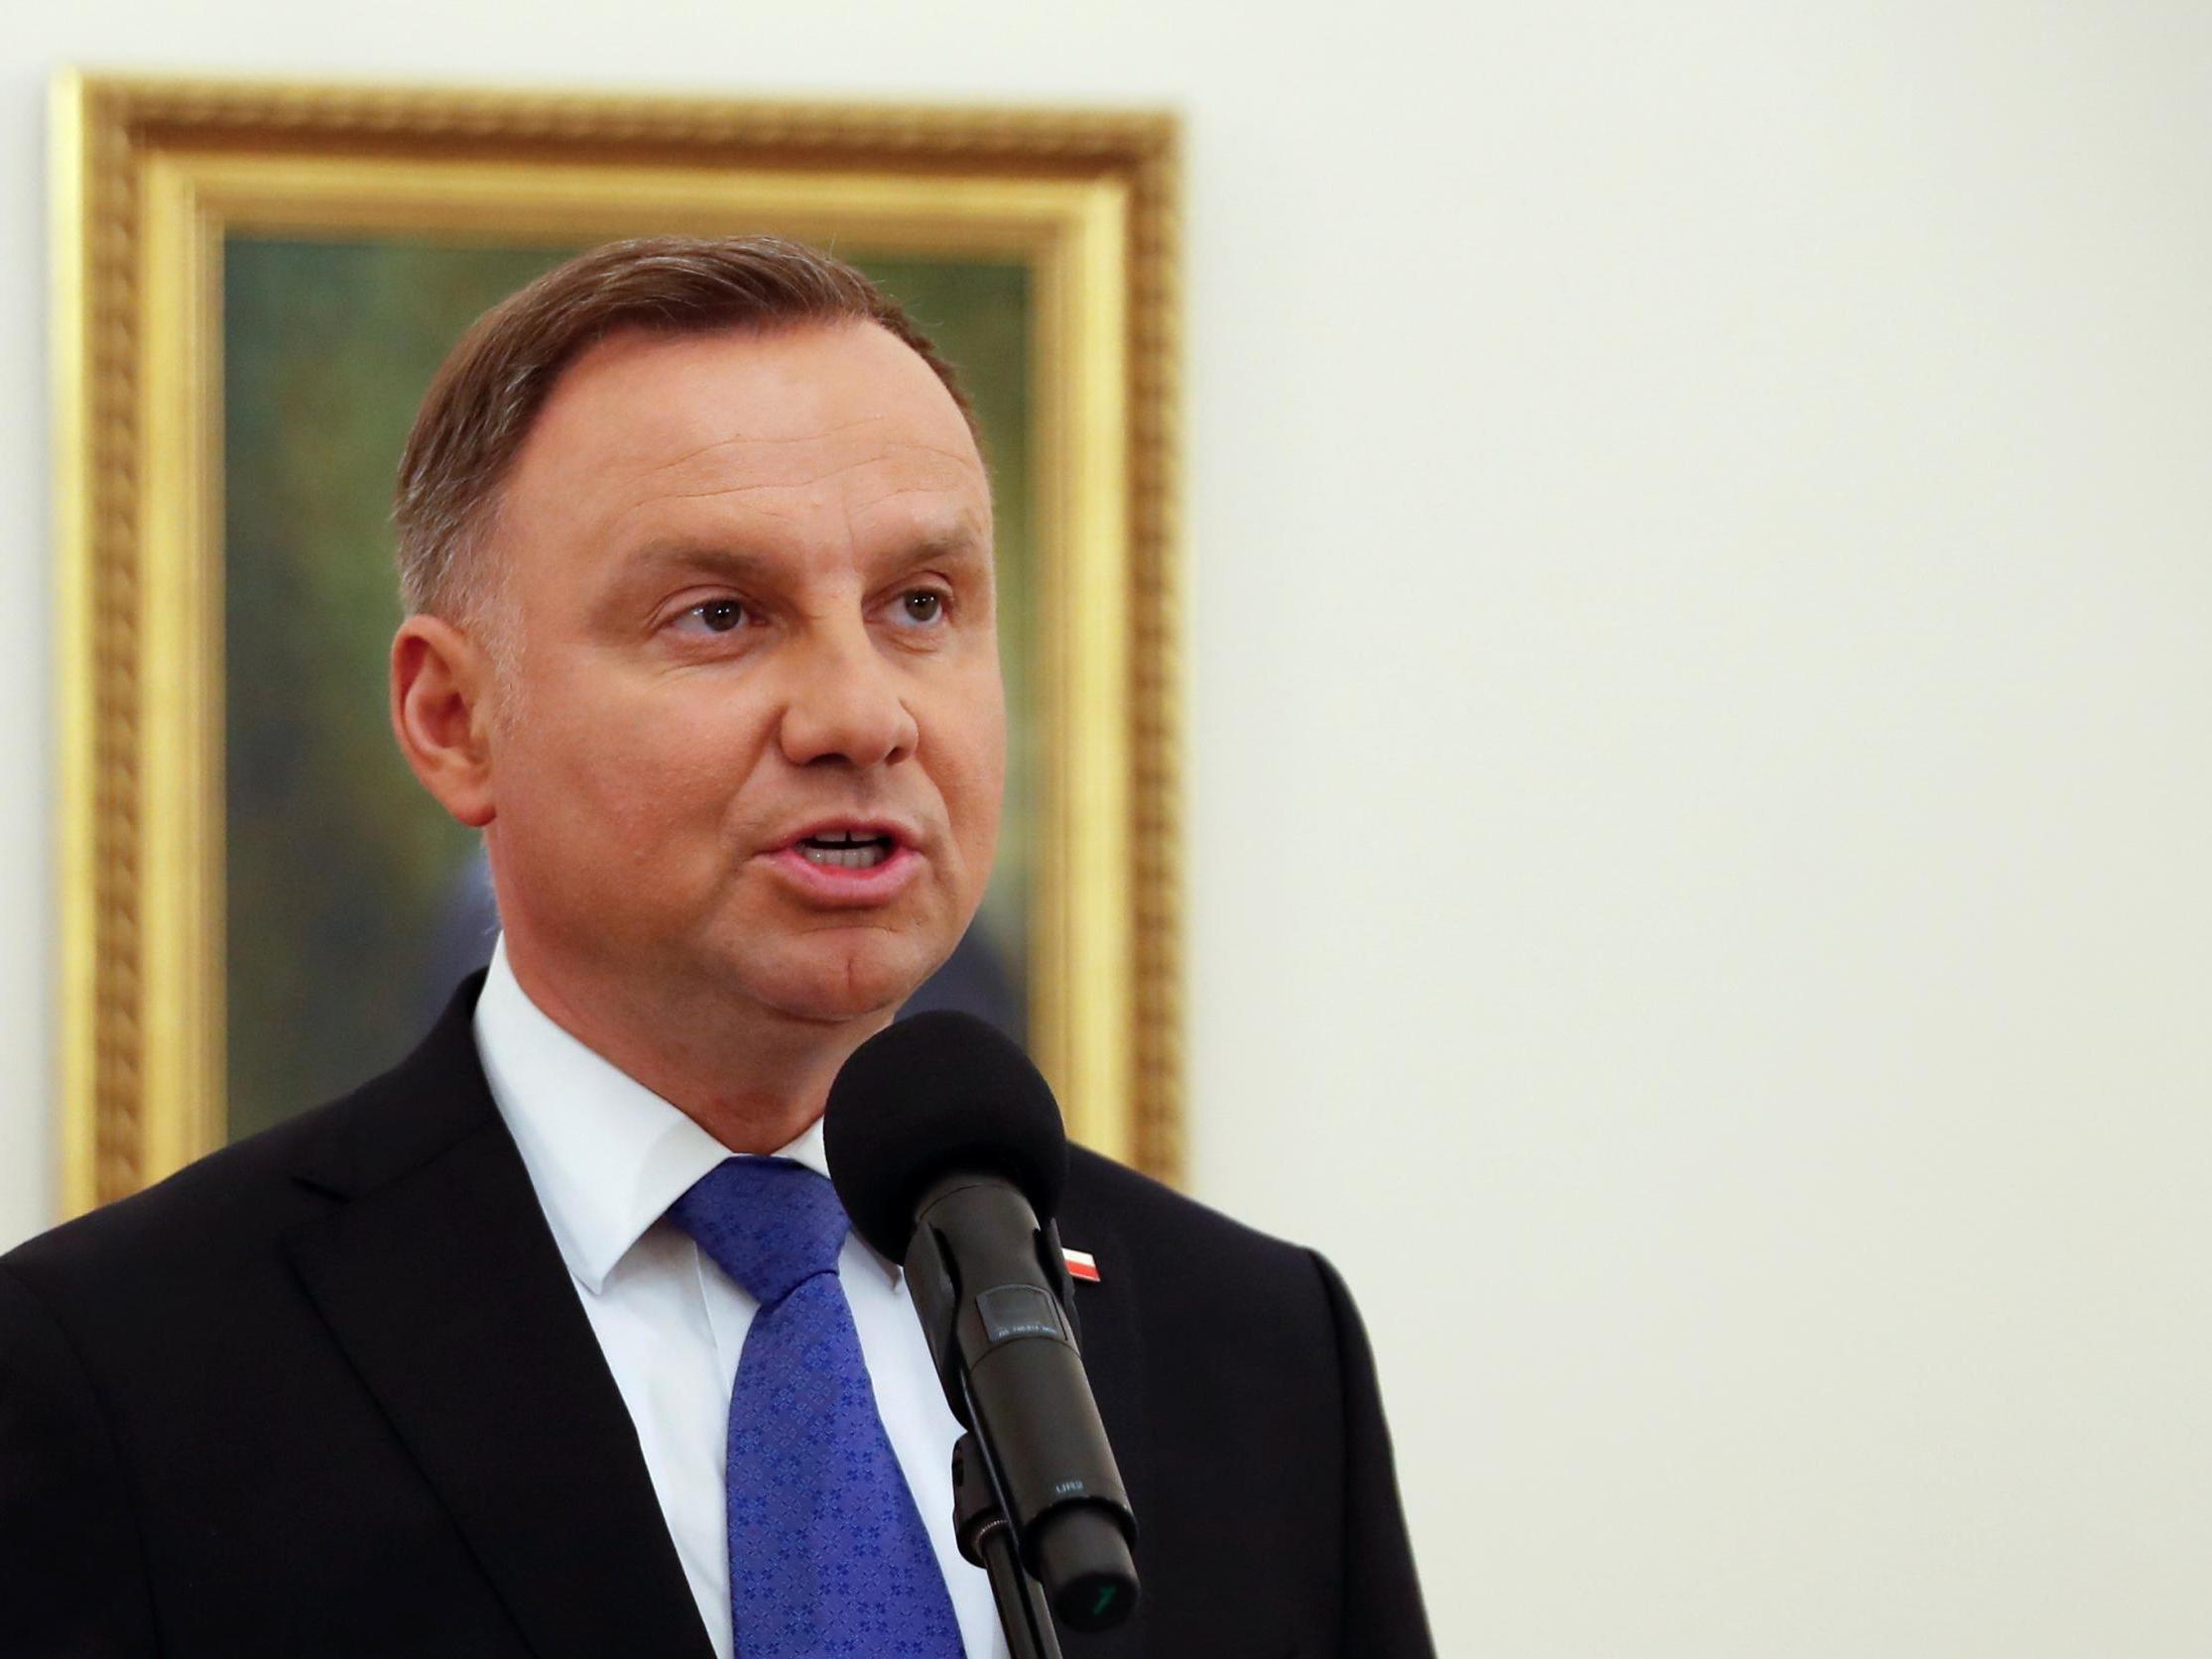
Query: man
695, 543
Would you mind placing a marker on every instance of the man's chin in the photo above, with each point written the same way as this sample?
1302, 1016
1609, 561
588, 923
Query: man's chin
839, 988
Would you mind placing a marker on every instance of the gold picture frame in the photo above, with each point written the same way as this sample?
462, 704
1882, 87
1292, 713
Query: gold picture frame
152, 174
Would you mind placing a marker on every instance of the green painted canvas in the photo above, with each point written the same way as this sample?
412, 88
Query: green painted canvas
354, 903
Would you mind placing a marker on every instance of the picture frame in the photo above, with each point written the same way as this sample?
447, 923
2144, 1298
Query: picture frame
165, 189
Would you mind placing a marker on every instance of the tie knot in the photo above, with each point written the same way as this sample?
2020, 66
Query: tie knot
768, 1223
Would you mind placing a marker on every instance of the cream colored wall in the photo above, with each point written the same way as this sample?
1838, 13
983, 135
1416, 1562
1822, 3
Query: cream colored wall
1700, 565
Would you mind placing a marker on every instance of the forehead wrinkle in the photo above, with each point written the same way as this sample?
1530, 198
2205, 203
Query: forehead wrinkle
755, 510
966, 526
733, 490
946, 472
966, 461
752, 438
807, 482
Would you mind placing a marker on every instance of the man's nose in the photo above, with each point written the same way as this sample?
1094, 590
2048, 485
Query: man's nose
843, 701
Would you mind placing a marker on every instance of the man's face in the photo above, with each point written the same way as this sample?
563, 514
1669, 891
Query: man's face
754, 739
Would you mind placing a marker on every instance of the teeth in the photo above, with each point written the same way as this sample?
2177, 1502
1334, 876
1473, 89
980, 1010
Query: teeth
865, 857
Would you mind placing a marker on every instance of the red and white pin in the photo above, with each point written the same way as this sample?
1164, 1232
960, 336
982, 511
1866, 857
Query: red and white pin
1081, 1264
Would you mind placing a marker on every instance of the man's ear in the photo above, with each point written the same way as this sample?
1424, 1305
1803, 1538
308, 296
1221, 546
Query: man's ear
441, 690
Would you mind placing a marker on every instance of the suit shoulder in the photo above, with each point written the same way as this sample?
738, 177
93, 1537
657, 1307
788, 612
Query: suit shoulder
245, 1187
1158, 1221
237, 1199
240, 1195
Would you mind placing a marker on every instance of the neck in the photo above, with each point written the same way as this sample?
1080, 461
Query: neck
753, 1079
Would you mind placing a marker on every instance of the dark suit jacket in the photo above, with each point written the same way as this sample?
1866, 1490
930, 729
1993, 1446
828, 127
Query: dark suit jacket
330, 1392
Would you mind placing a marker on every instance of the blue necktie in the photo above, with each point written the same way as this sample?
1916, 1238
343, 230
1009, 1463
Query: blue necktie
828, 1555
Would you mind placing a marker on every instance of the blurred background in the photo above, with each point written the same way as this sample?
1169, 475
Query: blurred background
1698, 558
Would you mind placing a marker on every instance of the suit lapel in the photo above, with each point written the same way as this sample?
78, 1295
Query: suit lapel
442, 1283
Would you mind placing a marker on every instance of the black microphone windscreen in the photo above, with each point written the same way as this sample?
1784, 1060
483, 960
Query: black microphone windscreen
937, 1095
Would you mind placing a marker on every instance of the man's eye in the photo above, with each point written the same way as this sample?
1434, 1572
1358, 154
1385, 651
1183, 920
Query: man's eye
720, 615
922, 605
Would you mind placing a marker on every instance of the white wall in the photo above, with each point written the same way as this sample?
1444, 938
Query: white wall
1700, 822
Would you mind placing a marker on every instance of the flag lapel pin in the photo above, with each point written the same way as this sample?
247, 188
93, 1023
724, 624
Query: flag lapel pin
1081, 1264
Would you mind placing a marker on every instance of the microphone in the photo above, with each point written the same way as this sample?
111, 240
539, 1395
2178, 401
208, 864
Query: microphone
946, 1149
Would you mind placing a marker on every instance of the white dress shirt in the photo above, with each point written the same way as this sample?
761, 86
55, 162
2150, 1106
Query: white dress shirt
607, 1157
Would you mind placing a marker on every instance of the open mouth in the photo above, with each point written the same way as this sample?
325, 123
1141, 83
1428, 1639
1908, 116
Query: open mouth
846, 848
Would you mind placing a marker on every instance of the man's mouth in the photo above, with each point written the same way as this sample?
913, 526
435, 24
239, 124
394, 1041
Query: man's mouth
846, 848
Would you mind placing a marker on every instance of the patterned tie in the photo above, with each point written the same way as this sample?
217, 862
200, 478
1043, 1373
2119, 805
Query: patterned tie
828, 1555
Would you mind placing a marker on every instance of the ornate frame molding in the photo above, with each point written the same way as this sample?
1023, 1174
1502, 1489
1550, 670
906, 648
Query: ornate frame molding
148, 174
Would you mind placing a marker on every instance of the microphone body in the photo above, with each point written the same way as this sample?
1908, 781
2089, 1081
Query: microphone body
947, 1150
990, 1287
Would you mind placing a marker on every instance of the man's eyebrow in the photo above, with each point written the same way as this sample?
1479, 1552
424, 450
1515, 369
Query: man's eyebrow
740, 565
962, 544
708, 558
631, 580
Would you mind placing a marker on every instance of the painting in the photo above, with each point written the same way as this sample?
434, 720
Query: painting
329, 850
258, 283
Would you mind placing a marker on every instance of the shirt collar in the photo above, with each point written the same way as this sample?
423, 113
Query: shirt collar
606, 1155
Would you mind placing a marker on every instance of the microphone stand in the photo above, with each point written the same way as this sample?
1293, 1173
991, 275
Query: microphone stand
986, 1539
